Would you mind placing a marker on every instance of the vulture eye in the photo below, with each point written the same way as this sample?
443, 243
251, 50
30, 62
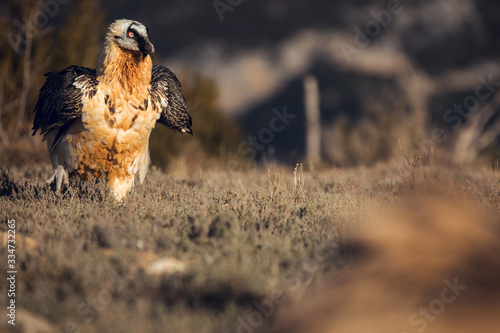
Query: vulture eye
130, 34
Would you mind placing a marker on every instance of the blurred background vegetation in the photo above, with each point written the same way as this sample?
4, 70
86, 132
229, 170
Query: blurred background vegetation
235, 72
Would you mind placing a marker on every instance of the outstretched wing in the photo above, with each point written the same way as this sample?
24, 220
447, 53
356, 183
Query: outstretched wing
60, 100
166, 93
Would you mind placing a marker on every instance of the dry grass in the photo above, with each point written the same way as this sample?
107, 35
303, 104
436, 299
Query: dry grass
194, 254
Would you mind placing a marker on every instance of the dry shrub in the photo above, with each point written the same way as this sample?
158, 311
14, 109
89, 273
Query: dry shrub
432, 267
398, 110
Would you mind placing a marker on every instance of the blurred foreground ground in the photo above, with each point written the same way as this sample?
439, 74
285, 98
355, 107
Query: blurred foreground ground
209, 252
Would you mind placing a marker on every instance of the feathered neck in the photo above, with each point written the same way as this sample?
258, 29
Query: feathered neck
130, 70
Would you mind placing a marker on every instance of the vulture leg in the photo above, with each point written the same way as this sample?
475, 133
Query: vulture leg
60, 177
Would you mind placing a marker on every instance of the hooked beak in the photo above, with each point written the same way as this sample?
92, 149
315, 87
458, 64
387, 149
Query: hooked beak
147, 48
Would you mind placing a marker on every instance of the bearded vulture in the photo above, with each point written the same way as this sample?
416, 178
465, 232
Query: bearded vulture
97, 122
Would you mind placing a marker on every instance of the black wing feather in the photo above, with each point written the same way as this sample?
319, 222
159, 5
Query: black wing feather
165, 87
60, 102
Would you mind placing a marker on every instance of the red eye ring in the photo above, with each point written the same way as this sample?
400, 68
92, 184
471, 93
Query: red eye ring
130, 34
